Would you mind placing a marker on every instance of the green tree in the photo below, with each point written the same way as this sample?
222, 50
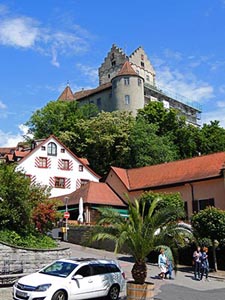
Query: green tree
107, 140
18, 198
210, 224
212, 138
57, 117
148, 148
144, 231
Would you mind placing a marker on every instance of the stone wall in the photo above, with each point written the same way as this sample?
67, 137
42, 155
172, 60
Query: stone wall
23, 260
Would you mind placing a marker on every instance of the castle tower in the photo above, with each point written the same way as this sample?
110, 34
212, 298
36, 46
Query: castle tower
127, 90
112, 64
142, 65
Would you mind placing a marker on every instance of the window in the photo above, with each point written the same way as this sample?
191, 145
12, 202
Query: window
147, 77
139, 81
83, 181
113, 63
108, 75
142, 56
99, 103
65, 164
42, 162
127, 99
198, 205
59, 182
62, 150
142, 64
52, 149
126, 81
99, 269
43, 148
81, 168
84, 271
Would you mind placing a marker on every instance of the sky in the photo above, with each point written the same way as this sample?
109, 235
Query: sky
46, 44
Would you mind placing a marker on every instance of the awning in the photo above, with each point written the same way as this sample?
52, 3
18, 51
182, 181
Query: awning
69, 209
122, 211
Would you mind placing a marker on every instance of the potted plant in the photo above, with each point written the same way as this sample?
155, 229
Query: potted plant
143, 231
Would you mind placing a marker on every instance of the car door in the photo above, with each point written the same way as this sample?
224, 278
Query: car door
101, 279
84, 286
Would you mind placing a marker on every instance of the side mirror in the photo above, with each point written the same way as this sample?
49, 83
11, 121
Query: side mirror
76, 277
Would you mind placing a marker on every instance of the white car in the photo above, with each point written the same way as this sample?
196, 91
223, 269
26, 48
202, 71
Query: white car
71, 279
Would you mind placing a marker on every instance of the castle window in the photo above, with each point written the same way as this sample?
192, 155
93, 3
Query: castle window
99, 103
52, 149
112, 56
126, 81
113, 63
147, 77
108, 75
142, 56
139, 81
142, 64
127, 99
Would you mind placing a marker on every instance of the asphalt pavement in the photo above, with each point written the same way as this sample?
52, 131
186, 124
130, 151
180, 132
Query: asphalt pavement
182, 287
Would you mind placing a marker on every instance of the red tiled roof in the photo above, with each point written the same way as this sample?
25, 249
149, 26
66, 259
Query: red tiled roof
94, 193
84, 93
21, 153
197, 168
67, 94
127, 70
84, 161
7, 150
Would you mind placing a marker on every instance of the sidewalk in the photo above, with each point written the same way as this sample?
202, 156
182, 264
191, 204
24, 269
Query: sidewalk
183, 277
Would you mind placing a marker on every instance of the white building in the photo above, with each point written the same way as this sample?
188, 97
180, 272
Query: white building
51, 164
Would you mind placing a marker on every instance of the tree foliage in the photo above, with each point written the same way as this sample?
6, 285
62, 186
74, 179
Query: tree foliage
18, 198
155, 136
147, 228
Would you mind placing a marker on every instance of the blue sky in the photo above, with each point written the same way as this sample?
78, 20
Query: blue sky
45, 43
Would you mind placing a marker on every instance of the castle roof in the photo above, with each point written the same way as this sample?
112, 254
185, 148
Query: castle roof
127, 70
67, 94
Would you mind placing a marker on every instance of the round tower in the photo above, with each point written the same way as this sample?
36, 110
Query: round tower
127, 90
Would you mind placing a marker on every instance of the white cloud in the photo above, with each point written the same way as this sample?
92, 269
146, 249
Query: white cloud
90, 72
7, 139
27, 33
19, 32
2, 105
185, 84
217, 114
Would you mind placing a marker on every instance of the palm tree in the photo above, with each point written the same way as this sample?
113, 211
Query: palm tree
146, 228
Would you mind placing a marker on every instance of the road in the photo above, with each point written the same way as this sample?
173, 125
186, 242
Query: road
183, 287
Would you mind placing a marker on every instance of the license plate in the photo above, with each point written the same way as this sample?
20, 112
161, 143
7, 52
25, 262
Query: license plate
21, 294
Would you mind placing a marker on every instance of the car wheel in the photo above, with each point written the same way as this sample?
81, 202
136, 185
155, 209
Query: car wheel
59, 295
113, 293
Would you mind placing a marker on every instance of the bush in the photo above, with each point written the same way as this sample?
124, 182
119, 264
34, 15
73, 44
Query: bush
37, 241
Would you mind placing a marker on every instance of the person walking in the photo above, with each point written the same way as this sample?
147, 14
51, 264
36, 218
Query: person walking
197, 263
162, 263
204, 264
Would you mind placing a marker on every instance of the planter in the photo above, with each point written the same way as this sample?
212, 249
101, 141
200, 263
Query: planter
140, 291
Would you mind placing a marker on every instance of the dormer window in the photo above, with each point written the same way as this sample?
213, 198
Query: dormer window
52, 149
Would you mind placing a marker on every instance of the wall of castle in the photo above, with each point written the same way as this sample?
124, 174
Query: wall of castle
23, 260
128, 97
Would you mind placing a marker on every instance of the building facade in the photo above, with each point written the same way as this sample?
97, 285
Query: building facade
51, 164
129, 83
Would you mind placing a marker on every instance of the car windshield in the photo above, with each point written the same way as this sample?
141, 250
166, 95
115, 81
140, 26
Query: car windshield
59, 268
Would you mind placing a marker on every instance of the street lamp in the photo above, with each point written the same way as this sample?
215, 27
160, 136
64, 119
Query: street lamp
66, 203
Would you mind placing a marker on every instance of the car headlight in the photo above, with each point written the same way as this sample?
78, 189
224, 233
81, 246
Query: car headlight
42, 287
